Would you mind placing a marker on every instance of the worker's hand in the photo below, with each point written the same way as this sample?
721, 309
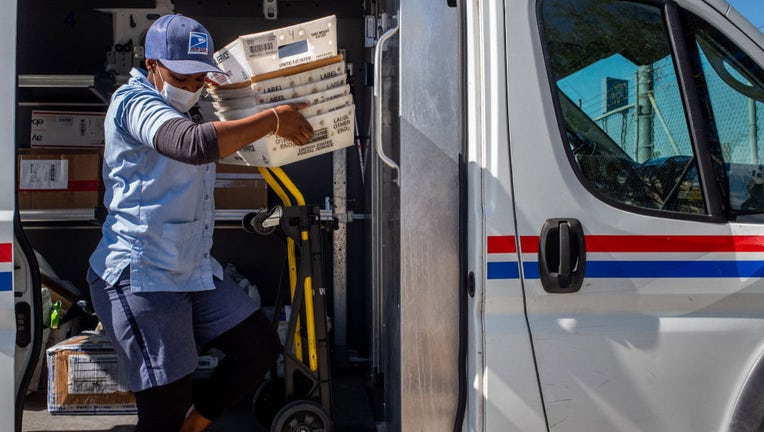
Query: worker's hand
292, 125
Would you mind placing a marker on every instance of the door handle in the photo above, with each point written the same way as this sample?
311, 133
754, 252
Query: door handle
378, 103
562, 255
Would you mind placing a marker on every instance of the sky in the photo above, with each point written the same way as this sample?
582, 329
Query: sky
751, 9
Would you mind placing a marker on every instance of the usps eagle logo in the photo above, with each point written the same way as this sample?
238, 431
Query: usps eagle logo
197, 43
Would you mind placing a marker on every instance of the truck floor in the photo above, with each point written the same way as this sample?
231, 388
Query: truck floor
353, 412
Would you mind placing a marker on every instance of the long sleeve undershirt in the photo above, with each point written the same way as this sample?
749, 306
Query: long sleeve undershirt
185, 141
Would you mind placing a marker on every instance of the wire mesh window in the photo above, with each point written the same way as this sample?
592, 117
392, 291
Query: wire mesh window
621, 105
734, 85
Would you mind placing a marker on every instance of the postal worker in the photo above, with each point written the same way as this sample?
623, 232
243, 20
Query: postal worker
156, 289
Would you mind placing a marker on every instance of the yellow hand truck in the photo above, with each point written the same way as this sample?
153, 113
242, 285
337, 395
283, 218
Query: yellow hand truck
305, 398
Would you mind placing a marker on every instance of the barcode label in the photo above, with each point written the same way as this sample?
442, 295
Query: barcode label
261, 46
259, 49
44, 174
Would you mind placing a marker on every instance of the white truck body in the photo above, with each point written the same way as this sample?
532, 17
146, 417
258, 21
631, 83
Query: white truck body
528, 270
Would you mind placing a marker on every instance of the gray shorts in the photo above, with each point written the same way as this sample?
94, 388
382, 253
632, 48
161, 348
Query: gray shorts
157, 335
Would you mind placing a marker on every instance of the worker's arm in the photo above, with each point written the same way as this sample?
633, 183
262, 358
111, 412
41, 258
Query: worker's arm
284, 120
185, 141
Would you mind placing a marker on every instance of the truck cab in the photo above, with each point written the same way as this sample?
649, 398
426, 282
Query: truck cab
550, 219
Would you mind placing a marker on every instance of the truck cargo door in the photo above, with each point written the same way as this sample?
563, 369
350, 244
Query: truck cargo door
504, 394
416, 195
28, 317
7, 171
636, 147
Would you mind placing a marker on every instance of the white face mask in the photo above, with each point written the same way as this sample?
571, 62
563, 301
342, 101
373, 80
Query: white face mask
182, 99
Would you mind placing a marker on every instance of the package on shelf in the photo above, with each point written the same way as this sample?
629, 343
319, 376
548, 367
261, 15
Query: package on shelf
332, 131
67, 129
59, 179
240, 187
290, 46
84, 378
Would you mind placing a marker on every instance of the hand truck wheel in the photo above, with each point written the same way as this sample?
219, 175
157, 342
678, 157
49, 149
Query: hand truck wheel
253, 223
301, 416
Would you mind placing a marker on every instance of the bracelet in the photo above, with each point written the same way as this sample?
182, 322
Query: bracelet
276, 131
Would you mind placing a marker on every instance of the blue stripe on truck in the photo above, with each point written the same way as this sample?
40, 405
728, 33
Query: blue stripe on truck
641, 269
6, 281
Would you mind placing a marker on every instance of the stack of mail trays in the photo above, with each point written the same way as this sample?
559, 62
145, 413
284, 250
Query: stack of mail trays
287, 65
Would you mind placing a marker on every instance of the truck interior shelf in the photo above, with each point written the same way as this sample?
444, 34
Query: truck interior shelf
80, 215
64, 90
57, 215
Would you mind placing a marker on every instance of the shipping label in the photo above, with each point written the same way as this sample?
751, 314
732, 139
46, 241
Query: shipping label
44, 174
261, 46
94, 374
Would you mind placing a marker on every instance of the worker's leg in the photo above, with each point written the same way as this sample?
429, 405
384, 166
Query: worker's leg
163, 408
251, 347
153, 337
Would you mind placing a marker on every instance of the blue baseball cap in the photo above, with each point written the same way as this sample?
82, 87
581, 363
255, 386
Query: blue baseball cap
181, 44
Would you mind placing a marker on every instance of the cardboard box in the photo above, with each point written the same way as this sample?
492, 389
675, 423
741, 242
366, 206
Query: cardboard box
59, 179
83, 378
67, 129
240, 187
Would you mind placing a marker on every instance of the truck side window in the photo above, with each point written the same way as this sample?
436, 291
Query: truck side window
735, 91
622, 112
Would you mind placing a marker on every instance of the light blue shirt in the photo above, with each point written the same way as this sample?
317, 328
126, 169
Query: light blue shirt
161, 212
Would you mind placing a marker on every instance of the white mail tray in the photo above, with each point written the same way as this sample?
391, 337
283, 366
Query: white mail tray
290, 46
332, 131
